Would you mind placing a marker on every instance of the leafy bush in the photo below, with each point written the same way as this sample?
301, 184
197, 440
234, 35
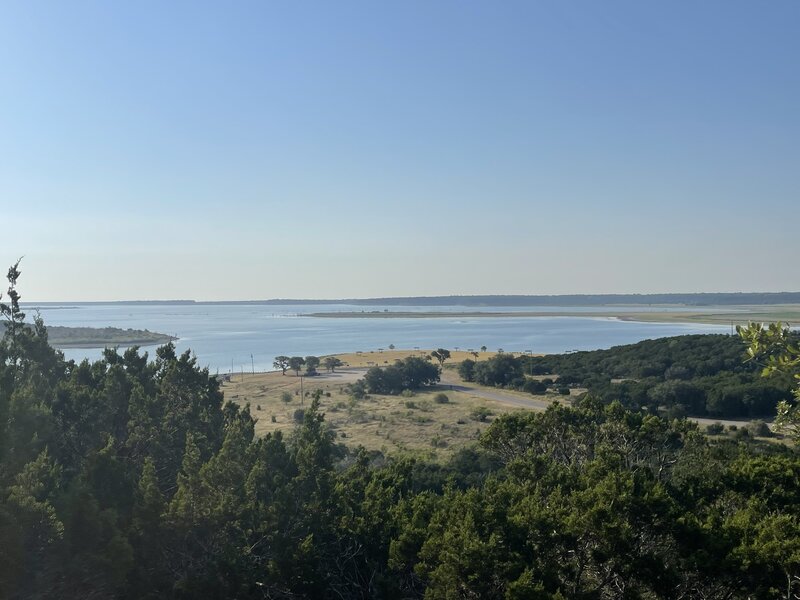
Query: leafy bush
532, 386
466, 369
410, 373
759, 428
480, 413
500, 370
441, 398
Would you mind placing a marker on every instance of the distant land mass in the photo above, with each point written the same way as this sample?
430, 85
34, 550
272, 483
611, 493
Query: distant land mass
101, 337
701, 299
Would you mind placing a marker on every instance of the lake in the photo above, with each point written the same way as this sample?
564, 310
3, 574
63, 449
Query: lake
225, 336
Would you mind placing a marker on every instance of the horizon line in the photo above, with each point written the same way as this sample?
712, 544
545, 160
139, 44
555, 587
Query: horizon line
417, 298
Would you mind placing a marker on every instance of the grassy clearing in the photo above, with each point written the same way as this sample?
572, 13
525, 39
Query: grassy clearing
415, 423
383, 358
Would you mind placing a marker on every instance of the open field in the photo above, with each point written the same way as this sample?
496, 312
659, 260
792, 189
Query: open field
724, 315
380, 358
391, 423
386, 423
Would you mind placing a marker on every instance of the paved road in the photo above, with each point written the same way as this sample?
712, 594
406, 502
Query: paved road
451, 379
499, 396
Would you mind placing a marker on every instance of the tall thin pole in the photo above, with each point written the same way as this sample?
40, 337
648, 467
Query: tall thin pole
253, 364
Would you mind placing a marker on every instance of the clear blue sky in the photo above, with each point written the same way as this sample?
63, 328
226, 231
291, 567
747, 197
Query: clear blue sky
239, 150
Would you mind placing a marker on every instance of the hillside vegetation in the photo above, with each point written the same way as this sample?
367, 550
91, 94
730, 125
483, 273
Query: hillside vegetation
130, 477
696, 375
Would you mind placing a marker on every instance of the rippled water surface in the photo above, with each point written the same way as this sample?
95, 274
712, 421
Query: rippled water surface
225, 336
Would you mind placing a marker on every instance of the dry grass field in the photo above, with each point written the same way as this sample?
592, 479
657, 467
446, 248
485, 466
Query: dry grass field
381, 358
415, 423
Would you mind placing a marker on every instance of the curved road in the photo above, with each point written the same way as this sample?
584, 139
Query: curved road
451, 380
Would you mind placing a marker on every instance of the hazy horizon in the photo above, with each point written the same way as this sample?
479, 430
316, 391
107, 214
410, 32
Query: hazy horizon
317, 150
400, 299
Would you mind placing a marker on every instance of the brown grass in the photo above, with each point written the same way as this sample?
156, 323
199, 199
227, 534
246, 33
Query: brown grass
385, 423
382, 358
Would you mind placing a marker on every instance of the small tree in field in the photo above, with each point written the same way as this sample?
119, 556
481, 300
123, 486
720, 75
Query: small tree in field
331, 362
282, 363
441, 355
312, 362
296, 363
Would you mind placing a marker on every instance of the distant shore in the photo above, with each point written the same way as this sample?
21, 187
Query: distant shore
102, 337
730, 314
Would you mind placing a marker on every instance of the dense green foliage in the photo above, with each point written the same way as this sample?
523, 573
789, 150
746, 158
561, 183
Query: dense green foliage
698, 375
778, 349
411, 373
131, 478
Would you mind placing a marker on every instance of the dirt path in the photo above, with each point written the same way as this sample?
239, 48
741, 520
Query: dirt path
451, 380
454, 382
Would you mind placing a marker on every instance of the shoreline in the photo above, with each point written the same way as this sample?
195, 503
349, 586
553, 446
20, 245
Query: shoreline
66, 338
740, 315
90, 345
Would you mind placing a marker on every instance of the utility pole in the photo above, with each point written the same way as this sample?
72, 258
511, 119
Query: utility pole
252, 364
530, 362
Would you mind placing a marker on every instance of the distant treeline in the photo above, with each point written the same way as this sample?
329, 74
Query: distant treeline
711, 299
697, 375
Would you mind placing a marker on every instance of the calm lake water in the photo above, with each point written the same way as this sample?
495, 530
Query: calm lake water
225, 336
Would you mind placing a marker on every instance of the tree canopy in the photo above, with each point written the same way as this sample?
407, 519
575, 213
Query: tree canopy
697, 375
131, 477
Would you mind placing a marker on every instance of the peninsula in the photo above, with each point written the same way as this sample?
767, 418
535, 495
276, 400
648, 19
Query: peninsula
789, 313
101, 337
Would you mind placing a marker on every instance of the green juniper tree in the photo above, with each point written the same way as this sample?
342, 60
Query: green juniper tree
778, 349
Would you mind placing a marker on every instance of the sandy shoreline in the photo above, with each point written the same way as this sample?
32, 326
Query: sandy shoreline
727, 315
111, 344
